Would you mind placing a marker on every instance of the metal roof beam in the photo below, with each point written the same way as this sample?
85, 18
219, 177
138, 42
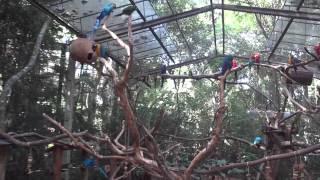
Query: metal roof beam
51, 14
247, 9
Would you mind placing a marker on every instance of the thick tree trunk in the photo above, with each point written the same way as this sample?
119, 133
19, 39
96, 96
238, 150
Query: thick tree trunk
69, 108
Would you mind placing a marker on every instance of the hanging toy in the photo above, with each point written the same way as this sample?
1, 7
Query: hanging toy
235, 65
83, 51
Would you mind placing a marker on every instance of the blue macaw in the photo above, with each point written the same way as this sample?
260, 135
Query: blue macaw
257, 140
163, 70
106, 11
227, 64
89, 163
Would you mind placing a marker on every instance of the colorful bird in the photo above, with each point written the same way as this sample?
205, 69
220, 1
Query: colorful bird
235, 65
258, 141
317, 49
163, 70
226, 66
294, 61
255, 58
106, 11
127, 11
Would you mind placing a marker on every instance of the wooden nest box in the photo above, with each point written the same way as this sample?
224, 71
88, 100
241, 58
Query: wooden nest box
302, 76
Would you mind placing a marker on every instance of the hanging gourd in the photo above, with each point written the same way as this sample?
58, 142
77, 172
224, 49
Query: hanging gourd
83, 51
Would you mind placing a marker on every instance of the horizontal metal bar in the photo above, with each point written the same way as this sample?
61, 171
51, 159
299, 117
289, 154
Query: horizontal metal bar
59, 3
298, 34
96, 13
154, 55
247, 9
139, 44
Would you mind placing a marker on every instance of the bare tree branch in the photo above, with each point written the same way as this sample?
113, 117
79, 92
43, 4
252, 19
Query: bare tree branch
13, 79
262, 160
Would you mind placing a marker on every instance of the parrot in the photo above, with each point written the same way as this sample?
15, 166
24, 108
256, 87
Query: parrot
317, 49
226, 65
106, 11
163, 70
235, 65
294, 61
89, 163
127, 10
258, 141
255, 58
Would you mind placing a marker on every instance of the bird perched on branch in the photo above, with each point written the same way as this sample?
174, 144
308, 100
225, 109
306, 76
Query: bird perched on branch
106, 11
225, 68
294, 61
163, 70
127, 10
255, 58
226, 65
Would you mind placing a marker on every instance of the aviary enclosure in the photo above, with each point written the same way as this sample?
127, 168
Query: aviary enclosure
159, 89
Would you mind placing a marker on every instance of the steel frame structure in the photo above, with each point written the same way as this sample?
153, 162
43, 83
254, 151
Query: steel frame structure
152, 25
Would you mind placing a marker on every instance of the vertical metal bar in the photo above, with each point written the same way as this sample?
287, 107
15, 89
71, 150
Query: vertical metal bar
214, 28
223, 33
284, 32
153, 33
